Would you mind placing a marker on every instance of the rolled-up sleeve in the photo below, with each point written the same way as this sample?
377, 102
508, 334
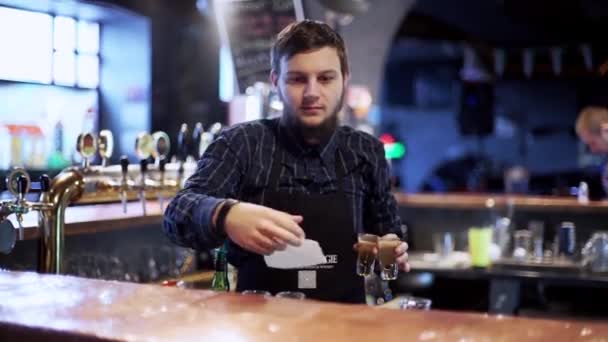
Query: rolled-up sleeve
188, 217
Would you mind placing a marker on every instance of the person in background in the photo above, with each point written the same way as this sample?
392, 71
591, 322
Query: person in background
270, 183
592, 129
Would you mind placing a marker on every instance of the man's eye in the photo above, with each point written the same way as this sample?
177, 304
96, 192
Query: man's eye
296, 80
325, 79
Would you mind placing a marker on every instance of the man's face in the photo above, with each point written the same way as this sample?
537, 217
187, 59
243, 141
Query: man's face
311, 86
596, 143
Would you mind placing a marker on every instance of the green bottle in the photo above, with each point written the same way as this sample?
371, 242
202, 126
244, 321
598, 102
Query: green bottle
220, 278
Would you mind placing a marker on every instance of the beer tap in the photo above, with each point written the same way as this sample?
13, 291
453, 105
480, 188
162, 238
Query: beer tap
86, 146
124, 184
143, 168
20, 207
18, 183
162, 162
8, 234
106, 146
144, 148
162, 147
215, 129
197, 140
182, 150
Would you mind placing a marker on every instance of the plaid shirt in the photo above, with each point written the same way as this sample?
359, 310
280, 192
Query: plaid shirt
238, 165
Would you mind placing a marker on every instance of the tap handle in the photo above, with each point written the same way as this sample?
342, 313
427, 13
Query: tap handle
183, 143
162, 163
45, 183
215, 129
143, 166
22, 185
124, 165
197, 136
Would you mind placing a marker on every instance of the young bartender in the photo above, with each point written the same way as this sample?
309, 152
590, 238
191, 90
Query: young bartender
270, 183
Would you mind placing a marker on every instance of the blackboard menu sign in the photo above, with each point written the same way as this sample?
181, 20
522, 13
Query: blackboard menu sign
251, 26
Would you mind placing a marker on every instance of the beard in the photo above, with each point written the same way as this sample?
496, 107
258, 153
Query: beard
312, 134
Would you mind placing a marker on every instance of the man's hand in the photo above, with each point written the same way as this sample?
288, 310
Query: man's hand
262, 230
401, 256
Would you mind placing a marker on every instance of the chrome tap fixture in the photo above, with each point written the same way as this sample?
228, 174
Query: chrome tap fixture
88, 184
19, 183
106, 146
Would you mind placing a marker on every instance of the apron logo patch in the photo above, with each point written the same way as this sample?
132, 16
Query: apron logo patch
307, 279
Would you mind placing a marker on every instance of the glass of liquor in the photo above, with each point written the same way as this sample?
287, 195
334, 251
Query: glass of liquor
292, 295
386, 255
366, 257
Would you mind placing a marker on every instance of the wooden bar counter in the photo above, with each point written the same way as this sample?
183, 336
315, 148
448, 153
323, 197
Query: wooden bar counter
58, 308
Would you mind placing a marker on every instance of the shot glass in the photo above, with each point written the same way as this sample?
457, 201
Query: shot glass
386, 255
291, 294
365, 256
262, 293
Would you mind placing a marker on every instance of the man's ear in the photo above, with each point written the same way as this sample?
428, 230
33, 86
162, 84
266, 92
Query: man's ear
346, 80
274, 78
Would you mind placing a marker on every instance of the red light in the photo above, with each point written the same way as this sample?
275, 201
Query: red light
387, 138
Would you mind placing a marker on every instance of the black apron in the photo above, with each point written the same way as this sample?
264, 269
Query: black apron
328, 219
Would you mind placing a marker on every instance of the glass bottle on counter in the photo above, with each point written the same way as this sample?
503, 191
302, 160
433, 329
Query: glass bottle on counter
220, 280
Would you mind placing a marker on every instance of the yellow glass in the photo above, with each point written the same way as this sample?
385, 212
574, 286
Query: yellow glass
480, 240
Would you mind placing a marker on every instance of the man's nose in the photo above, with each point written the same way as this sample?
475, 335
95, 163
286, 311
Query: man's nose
312, 88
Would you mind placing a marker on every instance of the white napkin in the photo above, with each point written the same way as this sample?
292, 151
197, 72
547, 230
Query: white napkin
307, 254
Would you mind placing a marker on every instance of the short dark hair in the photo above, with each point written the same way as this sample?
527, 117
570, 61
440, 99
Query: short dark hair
304, 36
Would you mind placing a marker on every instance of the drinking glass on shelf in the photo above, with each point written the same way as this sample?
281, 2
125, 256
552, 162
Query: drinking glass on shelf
522, 241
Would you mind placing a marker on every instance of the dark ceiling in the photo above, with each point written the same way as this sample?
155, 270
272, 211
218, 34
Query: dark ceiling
509, 23
513, 25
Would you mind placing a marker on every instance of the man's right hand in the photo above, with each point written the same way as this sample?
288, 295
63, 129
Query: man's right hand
262, 230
